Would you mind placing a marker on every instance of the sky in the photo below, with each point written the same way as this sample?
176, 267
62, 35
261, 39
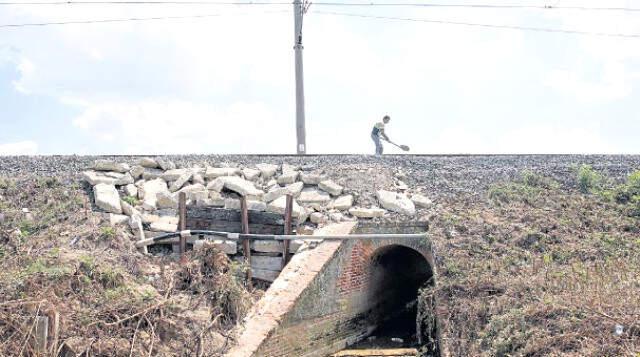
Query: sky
224, 83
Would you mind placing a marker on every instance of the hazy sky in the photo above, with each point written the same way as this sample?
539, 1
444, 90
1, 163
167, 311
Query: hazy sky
225, 84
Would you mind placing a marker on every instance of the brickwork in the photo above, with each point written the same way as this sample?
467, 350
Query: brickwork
335, 308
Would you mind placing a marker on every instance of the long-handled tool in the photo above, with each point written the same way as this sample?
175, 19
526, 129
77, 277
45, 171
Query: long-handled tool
403, 147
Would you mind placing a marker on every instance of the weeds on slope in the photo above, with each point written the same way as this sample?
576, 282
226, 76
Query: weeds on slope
536, 269
58, 258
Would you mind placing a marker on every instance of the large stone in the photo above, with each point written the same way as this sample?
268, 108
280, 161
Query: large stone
396, 202
279, 205
343, 202
267, 246
149, 191
152, 174
289, 175
165, 164
181, 181
166, 200
216, 185
311, 178
163, 226
367, 212
136, 172
232, 203
109, 165
318, 218
267, 170
131, 190
107, 198
329, 186
293, 189
314, 196
216, 199
213, 172
172, 175
128, 209
266, 275
109, 178
118, 219
148, 162
251, 174
198, 178
149, 218
241, 186
421, 201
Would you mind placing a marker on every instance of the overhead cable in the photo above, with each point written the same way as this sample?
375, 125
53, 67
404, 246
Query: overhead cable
472, 24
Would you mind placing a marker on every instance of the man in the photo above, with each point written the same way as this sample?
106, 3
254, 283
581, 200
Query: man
378, 133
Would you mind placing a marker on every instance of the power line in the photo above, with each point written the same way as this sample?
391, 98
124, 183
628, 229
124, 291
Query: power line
509, 27
326, 3
74, 22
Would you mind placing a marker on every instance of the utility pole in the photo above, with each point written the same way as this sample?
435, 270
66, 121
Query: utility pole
299, 9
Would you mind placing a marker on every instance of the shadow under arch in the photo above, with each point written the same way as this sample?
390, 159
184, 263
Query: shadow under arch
397, 273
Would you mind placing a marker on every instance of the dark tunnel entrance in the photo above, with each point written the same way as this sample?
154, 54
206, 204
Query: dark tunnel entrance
397, 274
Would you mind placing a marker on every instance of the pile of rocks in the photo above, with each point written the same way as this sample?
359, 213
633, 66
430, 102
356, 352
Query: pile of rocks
147, 193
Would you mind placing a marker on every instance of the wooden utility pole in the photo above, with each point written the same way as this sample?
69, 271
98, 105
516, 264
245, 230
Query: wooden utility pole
299, 9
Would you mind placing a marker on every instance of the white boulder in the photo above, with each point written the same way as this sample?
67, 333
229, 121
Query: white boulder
267, 170
148, 162
360, 212
314, 196
109, 165
181, 181
107, 198
214, 172
310, 178
421, 201
396, 202
329, 186
343, 202
241, 186
131, 190
165, 164
109, 178
136, 172
280, 204
251, 174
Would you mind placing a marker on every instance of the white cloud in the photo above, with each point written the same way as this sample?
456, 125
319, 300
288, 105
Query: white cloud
178, 126
19, 148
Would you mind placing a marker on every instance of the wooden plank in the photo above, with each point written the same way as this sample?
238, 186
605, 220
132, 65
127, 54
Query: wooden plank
288, 213
234, 227
41, 333
246, 243
229, 215
265, 275
182, 223
266, 262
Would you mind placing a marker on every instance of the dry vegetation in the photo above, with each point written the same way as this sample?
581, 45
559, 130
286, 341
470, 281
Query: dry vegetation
535, 269
62, 258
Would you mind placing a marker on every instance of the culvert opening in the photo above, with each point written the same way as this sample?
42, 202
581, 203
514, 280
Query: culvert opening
398, 273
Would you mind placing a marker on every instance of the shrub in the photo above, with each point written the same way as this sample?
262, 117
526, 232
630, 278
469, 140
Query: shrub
107, 232
130, 200
588, 179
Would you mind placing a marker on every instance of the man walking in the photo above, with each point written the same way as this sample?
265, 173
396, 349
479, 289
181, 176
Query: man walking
378, 133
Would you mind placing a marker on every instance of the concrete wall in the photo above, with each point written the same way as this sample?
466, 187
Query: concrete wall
338, 307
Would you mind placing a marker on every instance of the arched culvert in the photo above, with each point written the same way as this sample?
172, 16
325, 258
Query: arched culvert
397, 273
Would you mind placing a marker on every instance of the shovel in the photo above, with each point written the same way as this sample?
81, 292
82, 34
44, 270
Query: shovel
403, 147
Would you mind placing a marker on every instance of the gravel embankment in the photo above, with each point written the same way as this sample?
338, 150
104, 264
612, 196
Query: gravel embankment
437, 175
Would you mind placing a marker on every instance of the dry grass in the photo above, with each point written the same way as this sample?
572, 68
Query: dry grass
62, 258
533, 269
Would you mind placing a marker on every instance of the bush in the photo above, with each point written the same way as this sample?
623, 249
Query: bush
588, 179
130, 200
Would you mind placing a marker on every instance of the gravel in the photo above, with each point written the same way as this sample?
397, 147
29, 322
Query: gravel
436, 176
